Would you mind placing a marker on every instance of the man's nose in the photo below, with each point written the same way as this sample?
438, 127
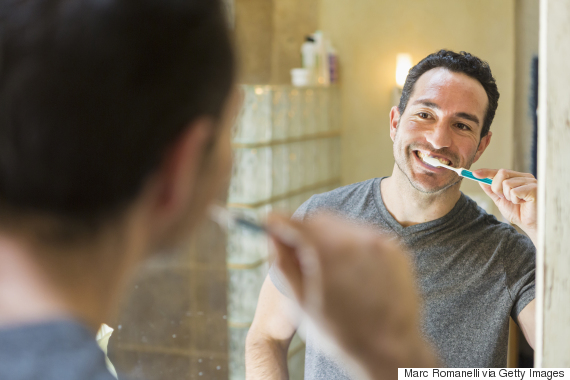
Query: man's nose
440, 136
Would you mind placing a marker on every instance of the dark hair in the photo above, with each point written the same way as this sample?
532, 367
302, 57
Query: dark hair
461, 62
93, 92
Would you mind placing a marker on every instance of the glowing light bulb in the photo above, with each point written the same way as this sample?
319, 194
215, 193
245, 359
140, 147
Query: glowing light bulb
403, 65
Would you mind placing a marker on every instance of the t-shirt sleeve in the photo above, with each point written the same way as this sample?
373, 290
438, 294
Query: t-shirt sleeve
520, 262
280, 282
275, 274
303, 211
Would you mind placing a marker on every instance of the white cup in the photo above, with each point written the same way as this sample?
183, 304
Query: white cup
301, 77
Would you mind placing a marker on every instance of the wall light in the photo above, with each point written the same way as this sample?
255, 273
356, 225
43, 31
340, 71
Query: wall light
403, 65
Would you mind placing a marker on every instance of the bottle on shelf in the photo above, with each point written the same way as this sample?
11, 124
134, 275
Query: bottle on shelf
323, 75
333, 63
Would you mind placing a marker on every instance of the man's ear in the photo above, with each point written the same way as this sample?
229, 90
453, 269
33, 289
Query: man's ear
483, 144
177, 176
394, 121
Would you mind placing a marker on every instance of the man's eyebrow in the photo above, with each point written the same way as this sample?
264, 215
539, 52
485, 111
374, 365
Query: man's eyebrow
462, 115
426, 103
467, 116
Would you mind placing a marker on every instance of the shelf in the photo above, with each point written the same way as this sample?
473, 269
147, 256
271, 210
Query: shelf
246, 266
286, 141
169, 351
285, 196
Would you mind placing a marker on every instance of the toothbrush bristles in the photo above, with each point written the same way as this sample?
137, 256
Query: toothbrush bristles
432, 161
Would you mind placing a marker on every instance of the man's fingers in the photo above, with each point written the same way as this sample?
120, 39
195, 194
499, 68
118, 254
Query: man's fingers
485, 173
491, 173
287, 239
288, 232
525, 193
512, 186
503, 172
509, 186
503, 175
289, 266
497, 185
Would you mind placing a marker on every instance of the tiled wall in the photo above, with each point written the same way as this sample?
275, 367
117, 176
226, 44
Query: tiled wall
173, 324
286, 148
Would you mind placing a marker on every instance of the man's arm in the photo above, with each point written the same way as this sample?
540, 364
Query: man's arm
268, 339
515, 194
526, 320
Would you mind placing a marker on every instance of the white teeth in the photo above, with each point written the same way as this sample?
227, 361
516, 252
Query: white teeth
442, 160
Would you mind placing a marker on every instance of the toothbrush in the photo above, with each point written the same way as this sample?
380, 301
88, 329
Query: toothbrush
226, 219
223, 217
462, 172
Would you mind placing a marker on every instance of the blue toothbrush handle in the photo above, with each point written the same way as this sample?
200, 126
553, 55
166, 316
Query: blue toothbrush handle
468, 174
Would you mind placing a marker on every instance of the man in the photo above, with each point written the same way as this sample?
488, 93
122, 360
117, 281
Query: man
473, 272
114, 138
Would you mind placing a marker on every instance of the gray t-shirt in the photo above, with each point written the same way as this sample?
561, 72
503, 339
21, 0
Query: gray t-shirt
473, 272
58, 350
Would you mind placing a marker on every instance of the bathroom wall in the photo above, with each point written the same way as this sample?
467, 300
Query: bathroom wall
369, 33
526, 40
253, 37
269, 34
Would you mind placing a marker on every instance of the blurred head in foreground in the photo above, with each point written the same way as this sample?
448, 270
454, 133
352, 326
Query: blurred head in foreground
114, 131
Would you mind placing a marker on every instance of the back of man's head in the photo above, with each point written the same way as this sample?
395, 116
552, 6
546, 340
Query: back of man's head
93, 92
461, 62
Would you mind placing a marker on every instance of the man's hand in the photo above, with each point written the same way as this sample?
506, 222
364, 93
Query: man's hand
358, 287
514, 194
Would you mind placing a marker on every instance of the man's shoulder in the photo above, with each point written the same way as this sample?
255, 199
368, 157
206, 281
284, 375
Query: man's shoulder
59, 349
342, 200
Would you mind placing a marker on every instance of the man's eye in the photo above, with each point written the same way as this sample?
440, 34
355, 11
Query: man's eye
423, 115
463, 127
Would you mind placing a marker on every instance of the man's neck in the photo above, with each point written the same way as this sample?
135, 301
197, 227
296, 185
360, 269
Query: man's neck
26, 295
410, 206
39, 286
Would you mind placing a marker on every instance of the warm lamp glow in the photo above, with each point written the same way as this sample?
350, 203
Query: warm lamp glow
403, 65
